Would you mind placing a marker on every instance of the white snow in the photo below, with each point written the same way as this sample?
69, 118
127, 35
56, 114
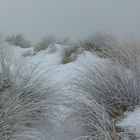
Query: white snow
50, 60
131, 122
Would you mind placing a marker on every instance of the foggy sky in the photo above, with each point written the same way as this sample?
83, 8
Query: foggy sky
69, 18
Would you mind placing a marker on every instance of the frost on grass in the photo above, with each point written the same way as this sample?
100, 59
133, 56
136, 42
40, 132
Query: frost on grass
114, 87
23, 101
125, 52
102, 44
44, 43
130, 123
92, 119
95, 90
18, 40
70, 54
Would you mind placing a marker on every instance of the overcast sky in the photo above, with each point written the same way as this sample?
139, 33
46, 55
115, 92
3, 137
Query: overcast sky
69, 18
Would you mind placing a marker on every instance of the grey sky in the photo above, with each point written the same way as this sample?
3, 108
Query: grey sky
69, 18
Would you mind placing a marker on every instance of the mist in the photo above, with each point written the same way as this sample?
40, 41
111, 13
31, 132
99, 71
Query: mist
69, 18
69, 69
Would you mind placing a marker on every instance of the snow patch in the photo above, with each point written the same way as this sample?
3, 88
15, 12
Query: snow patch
131, 122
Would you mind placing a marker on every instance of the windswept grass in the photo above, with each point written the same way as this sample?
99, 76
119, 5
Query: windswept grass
44, 43
18, 40
109, 89
104, 87
24, 101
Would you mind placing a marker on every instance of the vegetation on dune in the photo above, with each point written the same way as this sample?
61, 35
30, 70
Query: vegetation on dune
98, 96
18, 40
24, 100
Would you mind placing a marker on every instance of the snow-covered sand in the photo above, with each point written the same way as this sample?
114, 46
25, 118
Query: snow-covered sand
50, 60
